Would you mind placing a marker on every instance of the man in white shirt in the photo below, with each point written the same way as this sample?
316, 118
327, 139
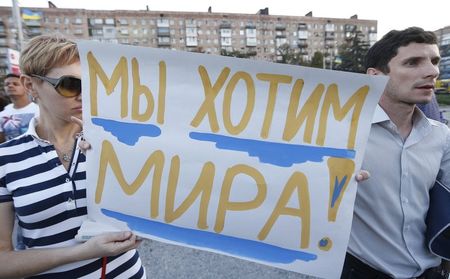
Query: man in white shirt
405, 154
15, 117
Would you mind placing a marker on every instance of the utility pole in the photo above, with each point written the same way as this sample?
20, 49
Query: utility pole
18, 19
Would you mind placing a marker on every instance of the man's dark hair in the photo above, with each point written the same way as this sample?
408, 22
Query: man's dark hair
12, 75
385, 49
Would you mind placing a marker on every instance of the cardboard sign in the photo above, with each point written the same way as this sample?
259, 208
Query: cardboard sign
246, 158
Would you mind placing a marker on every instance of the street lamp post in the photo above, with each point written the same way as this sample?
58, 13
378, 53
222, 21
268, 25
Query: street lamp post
18, 20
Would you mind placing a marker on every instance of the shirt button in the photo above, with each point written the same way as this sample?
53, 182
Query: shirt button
405, 200
69, 200
67, 180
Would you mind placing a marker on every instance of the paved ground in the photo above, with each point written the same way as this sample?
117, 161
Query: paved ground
170, 261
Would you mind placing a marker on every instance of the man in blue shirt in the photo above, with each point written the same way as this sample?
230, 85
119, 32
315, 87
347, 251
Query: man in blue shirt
406, 152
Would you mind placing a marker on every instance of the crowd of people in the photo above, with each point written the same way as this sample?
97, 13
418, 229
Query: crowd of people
43, 175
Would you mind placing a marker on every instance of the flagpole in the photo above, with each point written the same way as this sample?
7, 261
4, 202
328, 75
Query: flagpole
18, 19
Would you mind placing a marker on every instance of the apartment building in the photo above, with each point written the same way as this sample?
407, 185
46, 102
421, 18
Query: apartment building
443, 35
258, 35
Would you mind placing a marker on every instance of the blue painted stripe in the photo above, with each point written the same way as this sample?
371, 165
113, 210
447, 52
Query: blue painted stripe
127, 133
274, 153
228, 244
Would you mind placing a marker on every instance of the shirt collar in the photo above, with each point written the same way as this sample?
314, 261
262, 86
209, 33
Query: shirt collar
32, 130
381, 116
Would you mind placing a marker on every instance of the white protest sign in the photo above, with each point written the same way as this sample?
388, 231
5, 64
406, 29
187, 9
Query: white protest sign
246, 158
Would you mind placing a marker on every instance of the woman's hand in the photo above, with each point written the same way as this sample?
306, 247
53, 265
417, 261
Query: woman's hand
109, 244
84, 145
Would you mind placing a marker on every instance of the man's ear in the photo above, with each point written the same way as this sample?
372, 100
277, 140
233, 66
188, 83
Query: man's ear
373, 71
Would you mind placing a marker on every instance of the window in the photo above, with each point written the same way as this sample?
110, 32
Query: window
225, 32
191, 31
164, 40
303, 34
191, 41
225, 41
162, 22
250, 32
109, 21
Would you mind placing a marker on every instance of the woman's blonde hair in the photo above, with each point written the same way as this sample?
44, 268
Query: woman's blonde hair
45, 52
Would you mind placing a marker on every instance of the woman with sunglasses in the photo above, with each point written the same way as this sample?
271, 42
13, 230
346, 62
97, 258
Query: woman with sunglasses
43, 180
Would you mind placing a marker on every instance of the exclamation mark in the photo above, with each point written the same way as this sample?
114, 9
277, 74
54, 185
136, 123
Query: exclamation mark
341, 171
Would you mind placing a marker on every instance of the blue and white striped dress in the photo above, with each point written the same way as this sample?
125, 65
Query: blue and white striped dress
50, 203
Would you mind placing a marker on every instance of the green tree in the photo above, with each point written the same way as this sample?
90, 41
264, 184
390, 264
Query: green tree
317, 60
352, 53
289, 55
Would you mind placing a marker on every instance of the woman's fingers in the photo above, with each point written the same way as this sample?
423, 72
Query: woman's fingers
77, 121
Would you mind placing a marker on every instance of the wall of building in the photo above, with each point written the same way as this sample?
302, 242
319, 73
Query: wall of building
443, 35
258, 34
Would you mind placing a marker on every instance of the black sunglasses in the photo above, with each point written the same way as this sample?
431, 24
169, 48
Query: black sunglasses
66, 86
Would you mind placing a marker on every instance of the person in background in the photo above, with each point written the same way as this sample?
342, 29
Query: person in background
14, 121
4, 101
43, 180
431, 110
15, 117
405, 154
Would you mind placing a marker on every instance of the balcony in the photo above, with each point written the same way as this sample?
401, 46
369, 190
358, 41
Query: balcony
163, 41
303, 51
280, 27
225, 25
302, 43
34, 32
32, 23
251, 42
350, 28
280, 34
329, 36
163, 32
302, 26
162, 23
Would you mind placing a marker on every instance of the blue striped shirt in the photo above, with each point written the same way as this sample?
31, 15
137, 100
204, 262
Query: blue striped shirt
50, 203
